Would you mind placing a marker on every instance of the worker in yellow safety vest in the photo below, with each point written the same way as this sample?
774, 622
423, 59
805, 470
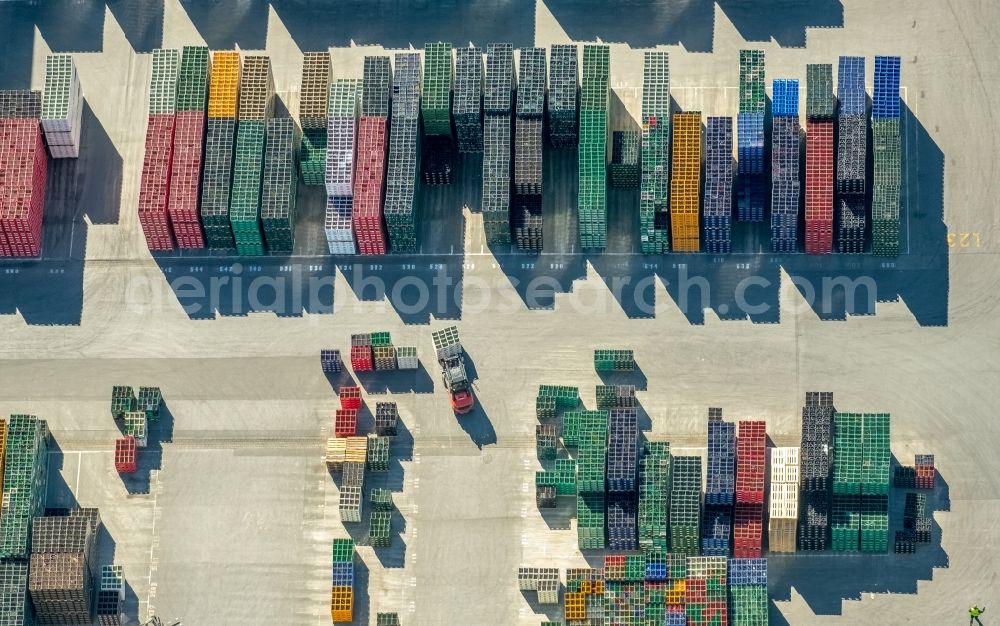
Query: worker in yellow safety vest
974, 614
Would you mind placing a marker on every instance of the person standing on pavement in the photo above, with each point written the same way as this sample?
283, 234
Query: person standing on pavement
974, 614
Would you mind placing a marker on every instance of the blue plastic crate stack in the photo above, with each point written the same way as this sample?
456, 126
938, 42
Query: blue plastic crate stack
887, 173
720, 486
528, 141
748, 592
500, 83
750, 137
622, 475
785, 182
718, 205
852, 150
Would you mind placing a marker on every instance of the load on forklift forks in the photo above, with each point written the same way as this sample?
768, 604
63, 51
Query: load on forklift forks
451, 358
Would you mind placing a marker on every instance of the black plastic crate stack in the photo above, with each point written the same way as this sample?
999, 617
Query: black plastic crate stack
720, 487
624, 168
622, 479
386, 416
564, 80
60, 579
500, 83
785, 182
718, 206
438, 154
220, 139
467, 105
401, 215
528, 140
654, 208
852, 152
281, 183
750, 137
814, 460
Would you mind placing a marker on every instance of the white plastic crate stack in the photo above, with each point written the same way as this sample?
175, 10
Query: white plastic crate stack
784, 502
406, 358
62, 107
344, 99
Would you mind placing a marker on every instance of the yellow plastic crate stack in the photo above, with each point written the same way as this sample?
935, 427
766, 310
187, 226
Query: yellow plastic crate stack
685, 182
784, 500
223, 90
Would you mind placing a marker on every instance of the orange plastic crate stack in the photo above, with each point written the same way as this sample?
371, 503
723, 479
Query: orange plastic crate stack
342, 604
223, 90
685, 182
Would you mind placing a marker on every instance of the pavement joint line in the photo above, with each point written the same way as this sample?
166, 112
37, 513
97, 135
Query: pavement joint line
152, 544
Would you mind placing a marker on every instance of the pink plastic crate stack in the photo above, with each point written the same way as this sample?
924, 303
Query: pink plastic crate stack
185, 176
23, 171
154, 186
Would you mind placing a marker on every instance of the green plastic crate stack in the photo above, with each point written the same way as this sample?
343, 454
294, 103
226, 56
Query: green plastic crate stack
886, 186
497, 148
590, 469
380, 499
624, 168
313, 112
623, 602
343, 551
875, 483
312, 156
163, 82
381, 338
566, 397
592, 155
749, 605
685, 505
564, 82
845, 518
216, 180
654, 496
378, 529
400, 208
387, 619
244, 203
654, 207
467, 106
874, 523
122, 401
378, 453
565, 477
590, 462
752, 81
436, 102
590, 520
137, 427
576, 422
149, 402
606, 360
280, 184
845, 523
25, 479
820, 101
192, 80
545, 407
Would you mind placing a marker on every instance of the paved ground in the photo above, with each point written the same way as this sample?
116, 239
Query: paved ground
230, 518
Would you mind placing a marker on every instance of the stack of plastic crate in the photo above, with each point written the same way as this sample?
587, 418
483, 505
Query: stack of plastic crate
25, 169
341, 132
154, 186
110, 596
624, 589
220, 135
188, 151
655, 587
875, 459
280, 185
342, 588
313, 112
748, 592
24, 485
592, 154
685, 182
584, 590
400, 207
370, 165
783, 504
3, 449
814, 471
821, 106
685, 505
886, 178
590, 462
720, 487
750, 137
924, 470
611, 360
500, 83
785, 184
624, 168
622, 473
435, 106
467, 106
528, 142
718, 210
60, 579
751, 443
706, 597
543, 580
852, 151
564, 82
845, 522
654, 493
137, 427
256, 107
654, 211
62, 106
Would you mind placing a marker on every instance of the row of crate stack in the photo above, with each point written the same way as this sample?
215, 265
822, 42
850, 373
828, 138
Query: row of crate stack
134, 415
342, 581
375, 352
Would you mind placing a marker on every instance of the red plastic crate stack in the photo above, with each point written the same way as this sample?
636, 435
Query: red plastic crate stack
125, 453
154, 187
369, 183
23, 172
362, 359
748, 528
345, 423
925, 471
350, 397
751, 444
819, 187
185, 179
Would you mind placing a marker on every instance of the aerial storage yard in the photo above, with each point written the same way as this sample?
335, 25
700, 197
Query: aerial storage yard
519, 312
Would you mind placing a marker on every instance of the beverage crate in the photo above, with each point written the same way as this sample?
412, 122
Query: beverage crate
350, 504
751, 87
216, 182
905, 542
819, 187
852, 148
592, 154
125, 455
62, 106
750, 143
437, 84
922, 529
338, 224
621, 520
591, 462
399, 208
566, 397
531, 83
747, 530
336, 452
546, 440
747, 572
885, 98
562, 103
624, 168
721, 468
385, 358
590, 521
378, 529
500, 79
350, 397
361, 359
343, 574
654, 494
685, 182
876, 456
685, 505
377, 81
820, 101
781, 534
122, 401
749, 605
623, 449
612, 360
717, 525
925, 472
436, 160
386, 416
380, 499
545, 496
497, 178
256, 89
192, 80
527, 221
904, 477
24, 484
342, 604
655, 167
845, 523
279, 185
750, 462
528, 157
354, 473
20, 104
163, 82
369, 180
330, 361
813, 529
851, 96
154, 184
61, 588
467, 104
312, 156
785, 100
386, 619
185, 179
847, 453
224, 85
784, 465
718, 206
874, 523
851, 224
136, 426
343, 551
345, 422
313, 104
341, 133
406, 358
244, 201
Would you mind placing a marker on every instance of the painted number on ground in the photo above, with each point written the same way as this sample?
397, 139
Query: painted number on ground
964, 240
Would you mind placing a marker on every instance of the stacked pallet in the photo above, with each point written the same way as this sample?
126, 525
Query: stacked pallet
188, 149
256, 107
500, 83
845, 522
435, 106
785, 184
654, 494
60, 579
751, 444
622, 473
467, 106
341, 132
654, 211
748, 592
25, 170
62, 107
717, 213
110, 596
280, 185
154, 186
852, 151
591, 461
720, 487
750, 137
685, 505
886, 178
591, 159
220, 134
564, 82
821, 106
814, 471
528, 150
783, 506
875, 460
400, 208
342, 591
24, 485
314, 159
706, 597
685, 182
370, 166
